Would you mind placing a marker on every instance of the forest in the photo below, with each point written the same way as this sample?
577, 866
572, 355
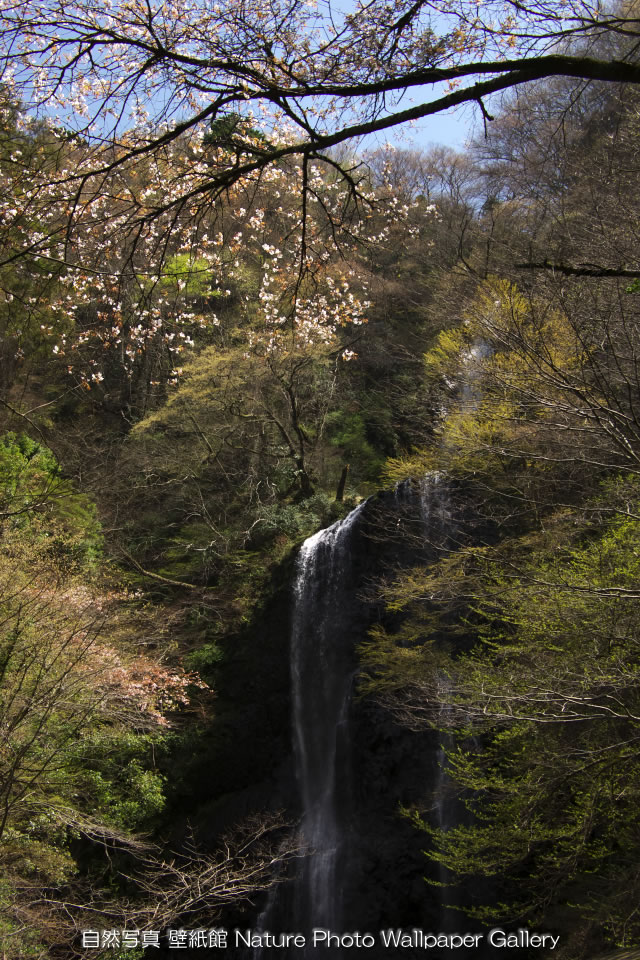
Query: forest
230, 318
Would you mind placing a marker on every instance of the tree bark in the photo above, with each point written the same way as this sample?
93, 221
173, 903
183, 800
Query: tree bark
342, 483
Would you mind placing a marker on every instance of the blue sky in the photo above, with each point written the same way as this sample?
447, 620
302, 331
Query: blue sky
451, 128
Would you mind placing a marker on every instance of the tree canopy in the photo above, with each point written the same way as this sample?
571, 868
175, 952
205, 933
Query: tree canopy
227, 92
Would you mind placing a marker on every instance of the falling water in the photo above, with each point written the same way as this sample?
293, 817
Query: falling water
322, 674
422, 518
439, 529
436, 512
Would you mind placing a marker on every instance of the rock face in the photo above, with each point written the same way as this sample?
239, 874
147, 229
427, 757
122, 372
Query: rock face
350, 768
392, 768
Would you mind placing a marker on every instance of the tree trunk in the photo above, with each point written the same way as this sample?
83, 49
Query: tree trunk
342, 483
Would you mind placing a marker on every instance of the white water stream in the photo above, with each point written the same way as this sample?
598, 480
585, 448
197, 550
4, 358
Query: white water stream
322, 677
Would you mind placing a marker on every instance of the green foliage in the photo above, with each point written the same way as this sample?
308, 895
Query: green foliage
442, 360
348, 431
182, 274
114, 776
33, 494
235, 458
229, 128
17, 939
295, 520
205, 659
79, 730
549, 694
29, 477
130, 797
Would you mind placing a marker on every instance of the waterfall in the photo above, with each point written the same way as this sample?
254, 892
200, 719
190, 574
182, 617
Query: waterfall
436, 512
439, 528
354, 767
322, 669
441, 532
360, 867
